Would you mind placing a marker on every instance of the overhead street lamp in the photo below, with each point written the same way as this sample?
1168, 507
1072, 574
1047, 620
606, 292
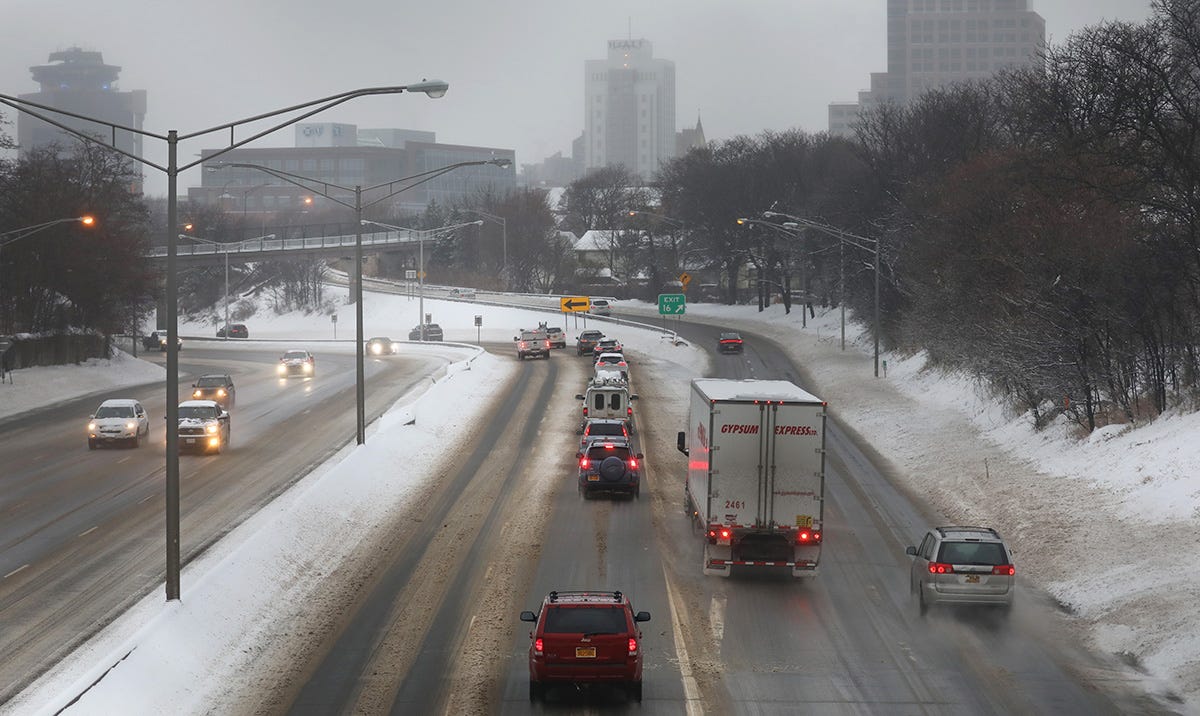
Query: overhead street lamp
325, 190
791, 230
421, 234
432, 88
225, 250
503, 239
860, 242
14, 235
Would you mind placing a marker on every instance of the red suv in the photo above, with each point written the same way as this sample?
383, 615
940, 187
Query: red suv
585, 638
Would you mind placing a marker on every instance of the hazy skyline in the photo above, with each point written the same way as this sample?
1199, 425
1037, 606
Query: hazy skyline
515, 69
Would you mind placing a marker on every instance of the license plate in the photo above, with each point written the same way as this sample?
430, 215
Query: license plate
972, 579
191, 441
585, 652
593, 478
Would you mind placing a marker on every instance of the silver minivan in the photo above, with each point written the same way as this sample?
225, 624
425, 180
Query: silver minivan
962, 565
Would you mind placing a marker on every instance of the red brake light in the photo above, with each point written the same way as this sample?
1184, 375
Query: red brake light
583, 462
629, 411
608, 446
537, 646
632, 646
1004, 569
633, 463
585, 411
724, 534
941, 568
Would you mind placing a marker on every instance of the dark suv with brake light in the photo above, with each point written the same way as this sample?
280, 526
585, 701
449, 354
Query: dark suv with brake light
585, 638
609, 466
586, 342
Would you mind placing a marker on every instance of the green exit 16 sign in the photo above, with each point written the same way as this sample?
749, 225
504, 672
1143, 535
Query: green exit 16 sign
671, 304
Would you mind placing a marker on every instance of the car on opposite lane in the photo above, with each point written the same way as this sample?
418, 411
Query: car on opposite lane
962, 565
236, 330
217, 387
433, 332
297, 362
118, 420
203, 426
382, 346
585, 638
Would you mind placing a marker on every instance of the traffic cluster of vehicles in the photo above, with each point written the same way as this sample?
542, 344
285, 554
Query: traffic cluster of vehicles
593, 637
204, 419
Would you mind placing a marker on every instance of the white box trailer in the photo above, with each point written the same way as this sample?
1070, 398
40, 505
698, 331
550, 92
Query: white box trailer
756, 474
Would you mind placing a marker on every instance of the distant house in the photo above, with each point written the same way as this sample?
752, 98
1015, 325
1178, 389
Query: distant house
596, 250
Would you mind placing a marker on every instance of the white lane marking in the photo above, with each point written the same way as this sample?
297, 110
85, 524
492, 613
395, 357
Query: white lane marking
88, 532
716, 617
124, 459
18, 569
691, 692
147, 498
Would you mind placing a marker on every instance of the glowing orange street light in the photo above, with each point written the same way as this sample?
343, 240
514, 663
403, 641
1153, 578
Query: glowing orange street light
88, 220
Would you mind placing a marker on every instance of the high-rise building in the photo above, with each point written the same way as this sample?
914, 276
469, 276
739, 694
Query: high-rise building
933, 43
78, 81
629, 109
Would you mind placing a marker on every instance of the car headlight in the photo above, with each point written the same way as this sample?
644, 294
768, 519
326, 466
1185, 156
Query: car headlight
130, 425
220, 392
197, 393
308, 367
211, 429
282, 368
92, 427
376, 348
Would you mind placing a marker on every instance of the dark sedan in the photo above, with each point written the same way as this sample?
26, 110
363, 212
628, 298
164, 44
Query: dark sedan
729, 343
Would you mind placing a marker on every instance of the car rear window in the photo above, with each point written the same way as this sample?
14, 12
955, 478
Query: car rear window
991, 553
606, 429
585, 620
599, 452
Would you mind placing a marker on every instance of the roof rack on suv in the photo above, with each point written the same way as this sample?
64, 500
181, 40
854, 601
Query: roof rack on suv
967, 528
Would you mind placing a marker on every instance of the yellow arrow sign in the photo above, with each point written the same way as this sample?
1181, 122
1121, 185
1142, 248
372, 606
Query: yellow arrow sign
575, 303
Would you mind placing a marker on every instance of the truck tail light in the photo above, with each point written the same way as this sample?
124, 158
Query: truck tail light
1006, 570
585, 411
632, 646
537, 646
941, 568
804, 536
629, 411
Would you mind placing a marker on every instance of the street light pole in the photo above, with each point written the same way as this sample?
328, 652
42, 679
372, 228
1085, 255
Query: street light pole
421, 234
358, 206
224, 250
432, 88
14, 235
503, 239
859, 242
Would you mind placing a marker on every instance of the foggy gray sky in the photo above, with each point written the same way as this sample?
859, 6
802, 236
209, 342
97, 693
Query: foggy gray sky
515, 67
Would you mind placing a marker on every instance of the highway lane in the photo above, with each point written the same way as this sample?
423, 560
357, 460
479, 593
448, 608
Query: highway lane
435, 630
82, 532
851, 641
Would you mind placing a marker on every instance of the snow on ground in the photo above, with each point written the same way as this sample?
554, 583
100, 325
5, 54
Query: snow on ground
1108, 525
46, 385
